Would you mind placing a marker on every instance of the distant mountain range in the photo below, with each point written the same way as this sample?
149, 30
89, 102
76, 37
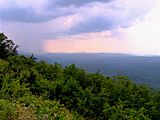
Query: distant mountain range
141, 69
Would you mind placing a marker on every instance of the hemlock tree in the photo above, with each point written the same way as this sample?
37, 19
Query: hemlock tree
7, 47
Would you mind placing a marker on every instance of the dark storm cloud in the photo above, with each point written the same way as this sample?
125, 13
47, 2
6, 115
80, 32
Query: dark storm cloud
30, 14
52, 10
92, 15
22, 15
76, 2
93, 24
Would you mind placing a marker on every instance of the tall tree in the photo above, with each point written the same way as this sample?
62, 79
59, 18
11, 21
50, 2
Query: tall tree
7, 47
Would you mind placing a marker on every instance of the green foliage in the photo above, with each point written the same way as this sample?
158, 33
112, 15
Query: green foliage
30, 108
31, 90
7, 47
7, 110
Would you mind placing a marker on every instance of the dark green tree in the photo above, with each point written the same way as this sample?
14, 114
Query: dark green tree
7, 47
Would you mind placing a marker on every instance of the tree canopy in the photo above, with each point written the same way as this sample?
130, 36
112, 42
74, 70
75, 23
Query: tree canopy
36, 90
7, 47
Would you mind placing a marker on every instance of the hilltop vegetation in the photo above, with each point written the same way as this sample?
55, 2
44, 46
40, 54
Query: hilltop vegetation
141, 69
36, 90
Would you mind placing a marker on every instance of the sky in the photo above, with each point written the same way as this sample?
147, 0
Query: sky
111, 26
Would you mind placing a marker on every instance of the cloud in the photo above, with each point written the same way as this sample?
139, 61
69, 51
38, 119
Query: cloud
108, 16
22, 15
86, 42
105, 11
40, 11
77, 2
30, 11
93, 24
23, 11
30, 36
37, 21
144, 34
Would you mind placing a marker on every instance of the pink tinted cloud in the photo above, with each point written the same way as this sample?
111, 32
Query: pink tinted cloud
91, 42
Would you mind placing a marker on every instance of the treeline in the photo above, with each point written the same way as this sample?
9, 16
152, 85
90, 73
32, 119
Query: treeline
36, 90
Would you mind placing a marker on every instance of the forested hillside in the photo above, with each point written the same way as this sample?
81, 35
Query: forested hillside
36, 90
141, 69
